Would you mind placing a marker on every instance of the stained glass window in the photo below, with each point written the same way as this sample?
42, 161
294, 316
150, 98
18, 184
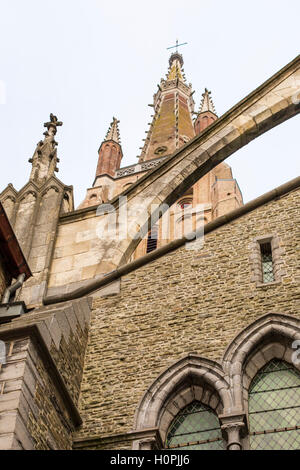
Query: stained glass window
196, 427
274, 408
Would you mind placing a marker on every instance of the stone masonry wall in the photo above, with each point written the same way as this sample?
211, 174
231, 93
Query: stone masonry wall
185, 302
32, 415
41, 376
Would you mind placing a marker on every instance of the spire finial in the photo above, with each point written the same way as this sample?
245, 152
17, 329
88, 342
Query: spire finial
177, 45
52, 125
113, 131
207, 102
178, 59
44, 160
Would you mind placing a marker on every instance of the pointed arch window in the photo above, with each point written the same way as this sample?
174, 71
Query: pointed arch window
274, 408
196, 427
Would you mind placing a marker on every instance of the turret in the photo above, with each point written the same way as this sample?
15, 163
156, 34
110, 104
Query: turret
206, 114
109, 160
110, 152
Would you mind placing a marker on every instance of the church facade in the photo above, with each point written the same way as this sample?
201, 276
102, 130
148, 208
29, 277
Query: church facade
154, 340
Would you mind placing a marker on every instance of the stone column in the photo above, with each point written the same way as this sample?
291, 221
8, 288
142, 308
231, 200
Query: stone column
234, 426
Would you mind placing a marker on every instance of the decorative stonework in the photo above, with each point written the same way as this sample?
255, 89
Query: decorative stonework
44, 160
131, 170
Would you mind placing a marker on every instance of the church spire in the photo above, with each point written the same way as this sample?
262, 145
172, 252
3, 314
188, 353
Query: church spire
207, 102
44, 160
113, 132
172, 124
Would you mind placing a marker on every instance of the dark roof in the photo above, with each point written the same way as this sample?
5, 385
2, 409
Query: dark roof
10, 250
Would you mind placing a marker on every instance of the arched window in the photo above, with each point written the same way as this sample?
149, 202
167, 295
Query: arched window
196, 427
274, 407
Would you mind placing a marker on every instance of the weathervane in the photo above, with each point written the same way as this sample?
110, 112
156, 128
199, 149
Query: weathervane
177, 45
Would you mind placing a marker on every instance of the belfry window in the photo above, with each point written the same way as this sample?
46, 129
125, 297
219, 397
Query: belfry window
152, 239
196, 427
274, 408
267, 263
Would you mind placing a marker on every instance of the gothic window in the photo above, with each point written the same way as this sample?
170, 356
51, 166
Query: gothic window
196, 427
274, 408
152, 239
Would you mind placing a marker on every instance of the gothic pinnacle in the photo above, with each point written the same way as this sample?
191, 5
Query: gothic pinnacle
113, 131
207, 102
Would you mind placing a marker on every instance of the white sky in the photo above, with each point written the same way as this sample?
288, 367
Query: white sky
86, 61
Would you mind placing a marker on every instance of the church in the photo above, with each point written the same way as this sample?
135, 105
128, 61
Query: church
163, 312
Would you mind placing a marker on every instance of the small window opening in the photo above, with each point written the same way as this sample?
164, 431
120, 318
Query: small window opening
152, 239
267, 263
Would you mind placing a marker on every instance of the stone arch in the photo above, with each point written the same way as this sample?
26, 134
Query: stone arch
191, 378
269, 337
268, 106
28, 196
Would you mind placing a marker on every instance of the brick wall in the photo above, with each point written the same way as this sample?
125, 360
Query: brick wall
185, 302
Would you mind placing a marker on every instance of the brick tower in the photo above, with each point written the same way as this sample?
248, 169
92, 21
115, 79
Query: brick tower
172, 124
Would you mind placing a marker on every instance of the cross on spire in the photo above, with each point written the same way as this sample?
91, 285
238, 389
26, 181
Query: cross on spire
52, 126
177, 45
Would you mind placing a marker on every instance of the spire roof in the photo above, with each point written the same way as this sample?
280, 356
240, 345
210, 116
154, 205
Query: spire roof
113, 132
207, 102
172, 123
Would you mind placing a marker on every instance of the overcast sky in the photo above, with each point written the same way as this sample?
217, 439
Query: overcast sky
87, 61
